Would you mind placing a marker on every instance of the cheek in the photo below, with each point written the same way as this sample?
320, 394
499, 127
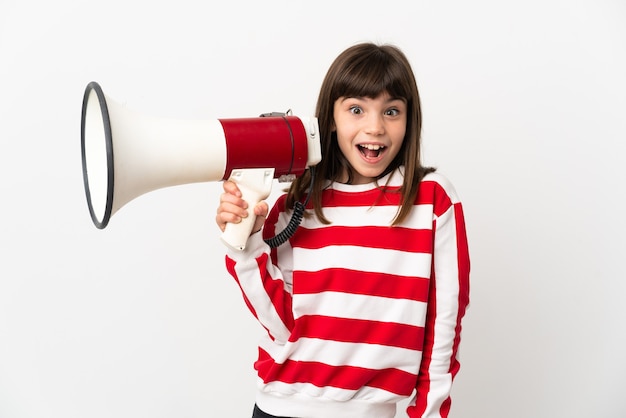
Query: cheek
342, 134
344, 142
399, 133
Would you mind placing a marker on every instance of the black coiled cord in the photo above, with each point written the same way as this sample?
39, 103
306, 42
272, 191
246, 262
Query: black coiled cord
296, 217
290, 229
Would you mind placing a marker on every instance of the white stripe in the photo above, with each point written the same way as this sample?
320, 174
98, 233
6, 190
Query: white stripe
372, 308
363, 259
447, 276
329, 392
421, 217
371, 356
307, 400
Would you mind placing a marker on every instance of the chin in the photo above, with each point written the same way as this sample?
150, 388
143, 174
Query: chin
365, 176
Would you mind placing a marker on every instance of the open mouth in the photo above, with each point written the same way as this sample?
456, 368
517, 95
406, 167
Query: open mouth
371, 150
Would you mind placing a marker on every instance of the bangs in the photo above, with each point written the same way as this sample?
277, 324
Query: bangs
371, 75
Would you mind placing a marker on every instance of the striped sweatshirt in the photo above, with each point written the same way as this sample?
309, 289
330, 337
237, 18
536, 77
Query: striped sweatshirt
359, 314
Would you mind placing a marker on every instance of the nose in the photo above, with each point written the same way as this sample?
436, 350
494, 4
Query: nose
375, 125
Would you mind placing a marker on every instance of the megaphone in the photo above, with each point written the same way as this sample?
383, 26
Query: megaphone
126, 154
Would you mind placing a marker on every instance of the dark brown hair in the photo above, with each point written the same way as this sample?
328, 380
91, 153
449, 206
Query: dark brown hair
365, 70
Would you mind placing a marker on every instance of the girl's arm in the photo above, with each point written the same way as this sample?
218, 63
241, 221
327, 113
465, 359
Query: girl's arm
263, 286
447, 303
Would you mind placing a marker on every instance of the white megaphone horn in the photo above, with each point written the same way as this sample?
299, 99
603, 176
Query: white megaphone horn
126, 154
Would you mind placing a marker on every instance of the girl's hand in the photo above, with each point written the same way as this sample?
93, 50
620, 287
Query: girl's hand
233, 208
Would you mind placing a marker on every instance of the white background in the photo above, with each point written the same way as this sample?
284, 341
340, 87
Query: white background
524, 110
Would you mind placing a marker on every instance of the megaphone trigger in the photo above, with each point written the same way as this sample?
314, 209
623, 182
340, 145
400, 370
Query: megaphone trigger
255, 185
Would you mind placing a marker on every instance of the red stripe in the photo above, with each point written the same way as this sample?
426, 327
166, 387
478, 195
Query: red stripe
281, 298
336, 198
358, 331
230, 267
463, 259
393, 238
464, 284
441, 200
344, 377
423, 381
389, 196
361, 283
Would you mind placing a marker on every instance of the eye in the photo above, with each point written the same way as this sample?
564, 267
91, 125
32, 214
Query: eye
356, 110
392, 112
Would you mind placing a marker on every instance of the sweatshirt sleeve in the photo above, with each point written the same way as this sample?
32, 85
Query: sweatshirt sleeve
447, 302
266, 291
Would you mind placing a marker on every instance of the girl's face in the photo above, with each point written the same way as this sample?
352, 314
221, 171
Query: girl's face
370, 133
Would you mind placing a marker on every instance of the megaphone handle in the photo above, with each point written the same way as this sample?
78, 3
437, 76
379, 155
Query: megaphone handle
255, 185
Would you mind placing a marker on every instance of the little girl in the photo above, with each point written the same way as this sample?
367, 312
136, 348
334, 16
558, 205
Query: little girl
363, 304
